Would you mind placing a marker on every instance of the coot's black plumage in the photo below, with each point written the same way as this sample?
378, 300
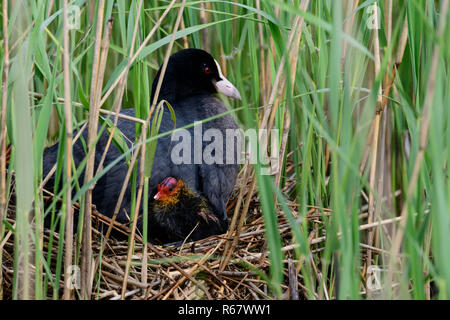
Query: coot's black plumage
192, 76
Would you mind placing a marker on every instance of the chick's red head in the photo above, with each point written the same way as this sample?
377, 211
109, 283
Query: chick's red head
168, 189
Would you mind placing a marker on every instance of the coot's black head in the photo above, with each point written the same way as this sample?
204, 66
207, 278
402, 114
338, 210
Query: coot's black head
192, 72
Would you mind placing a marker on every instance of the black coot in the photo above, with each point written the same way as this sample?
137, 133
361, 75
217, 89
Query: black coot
191, 79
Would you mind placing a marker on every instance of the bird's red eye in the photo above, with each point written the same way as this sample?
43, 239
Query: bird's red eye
207, 70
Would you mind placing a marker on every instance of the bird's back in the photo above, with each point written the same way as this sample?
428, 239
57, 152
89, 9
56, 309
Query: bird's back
214, 181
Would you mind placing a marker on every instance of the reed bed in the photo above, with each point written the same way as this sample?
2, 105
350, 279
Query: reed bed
357, 90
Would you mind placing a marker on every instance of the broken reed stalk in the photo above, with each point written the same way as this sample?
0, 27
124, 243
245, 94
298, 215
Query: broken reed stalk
68, 163
374, 133
423, 140
387, 88
3, 130
86, 250
388, 81
143, 147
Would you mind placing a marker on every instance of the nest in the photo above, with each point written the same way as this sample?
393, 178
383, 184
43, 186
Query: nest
231, 266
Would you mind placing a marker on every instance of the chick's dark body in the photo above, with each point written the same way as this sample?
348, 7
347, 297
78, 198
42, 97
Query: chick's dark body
214, 181
192, 220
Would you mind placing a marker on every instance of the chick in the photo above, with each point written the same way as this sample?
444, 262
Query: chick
178, 212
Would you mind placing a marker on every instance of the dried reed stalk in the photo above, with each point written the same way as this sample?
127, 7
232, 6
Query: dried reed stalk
86, 250
68, 164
